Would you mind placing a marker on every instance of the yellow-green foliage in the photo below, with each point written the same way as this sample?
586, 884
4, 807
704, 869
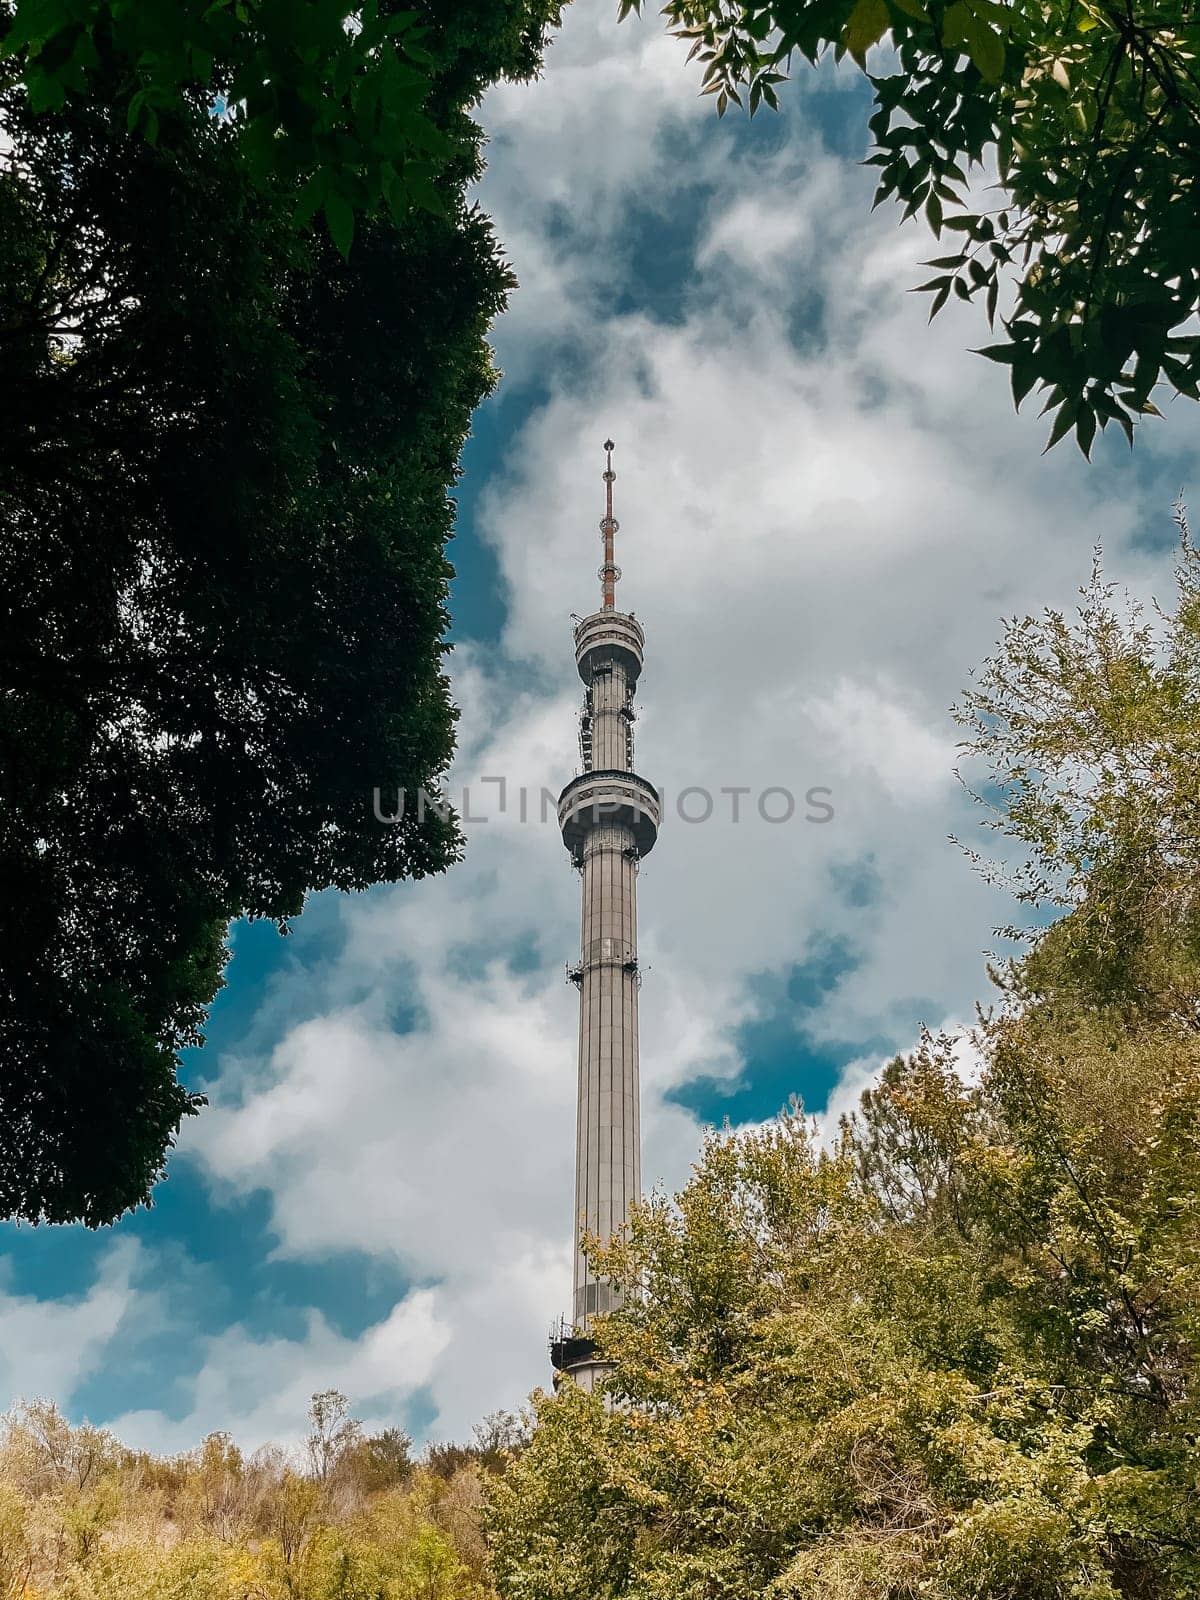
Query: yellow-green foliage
951, 1359
951, 1356
83, 1518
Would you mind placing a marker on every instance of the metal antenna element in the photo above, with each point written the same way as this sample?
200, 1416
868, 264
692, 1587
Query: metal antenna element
609, 572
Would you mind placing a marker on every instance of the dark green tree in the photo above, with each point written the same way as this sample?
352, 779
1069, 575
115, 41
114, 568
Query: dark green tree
225, 450
330, 95
1087, 112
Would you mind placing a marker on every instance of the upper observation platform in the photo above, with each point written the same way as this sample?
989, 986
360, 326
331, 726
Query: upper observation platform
609, 636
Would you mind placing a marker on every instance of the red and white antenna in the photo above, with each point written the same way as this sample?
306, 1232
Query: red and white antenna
609, 572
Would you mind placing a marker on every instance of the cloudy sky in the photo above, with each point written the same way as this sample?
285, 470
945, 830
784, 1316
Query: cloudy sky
826, 508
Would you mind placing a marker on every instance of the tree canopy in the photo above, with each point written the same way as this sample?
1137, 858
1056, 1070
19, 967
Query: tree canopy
1054, 142
225, 450
950, 1352
341, 103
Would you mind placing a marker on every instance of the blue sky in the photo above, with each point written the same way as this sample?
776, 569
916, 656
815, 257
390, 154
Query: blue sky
826, 509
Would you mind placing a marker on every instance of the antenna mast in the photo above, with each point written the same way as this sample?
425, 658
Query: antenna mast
609, 572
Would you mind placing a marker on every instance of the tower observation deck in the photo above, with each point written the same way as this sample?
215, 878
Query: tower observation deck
609, 818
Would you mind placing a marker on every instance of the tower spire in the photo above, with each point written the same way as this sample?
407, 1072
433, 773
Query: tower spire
609, 572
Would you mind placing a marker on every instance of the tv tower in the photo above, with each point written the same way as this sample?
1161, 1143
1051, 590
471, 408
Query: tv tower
609, 818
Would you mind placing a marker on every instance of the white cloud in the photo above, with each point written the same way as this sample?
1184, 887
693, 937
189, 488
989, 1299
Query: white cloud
259, 1388
870, 733
48, 1347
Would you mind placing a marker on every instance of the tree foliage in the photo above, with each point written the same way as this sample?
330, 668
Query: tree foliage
225, 451
952, 1353
1087, 115
339, 103
1090, 730
82, 1517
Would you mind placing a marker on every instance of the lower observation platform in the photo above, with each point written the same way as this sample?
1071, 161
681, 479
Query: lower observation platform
577, 1357
609, 797
570, 1350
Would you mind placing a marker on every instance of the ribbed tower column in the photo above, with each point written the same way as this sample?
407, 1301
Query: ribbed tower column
609, 818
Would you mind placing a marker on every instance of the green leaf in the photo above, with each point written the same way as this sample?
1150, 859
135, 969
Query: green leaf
418, 180
987, 51
35, 22
311, 197
44, 90
425, 135
1181, 377
394, 192
339, 214
1085, 431
867, 24
1063, 423
1024, 375
956, 23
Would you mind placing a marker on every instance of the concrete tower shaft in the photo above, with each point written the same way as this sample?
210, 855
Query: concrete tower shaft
609, 818
608, 1162
611, 706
